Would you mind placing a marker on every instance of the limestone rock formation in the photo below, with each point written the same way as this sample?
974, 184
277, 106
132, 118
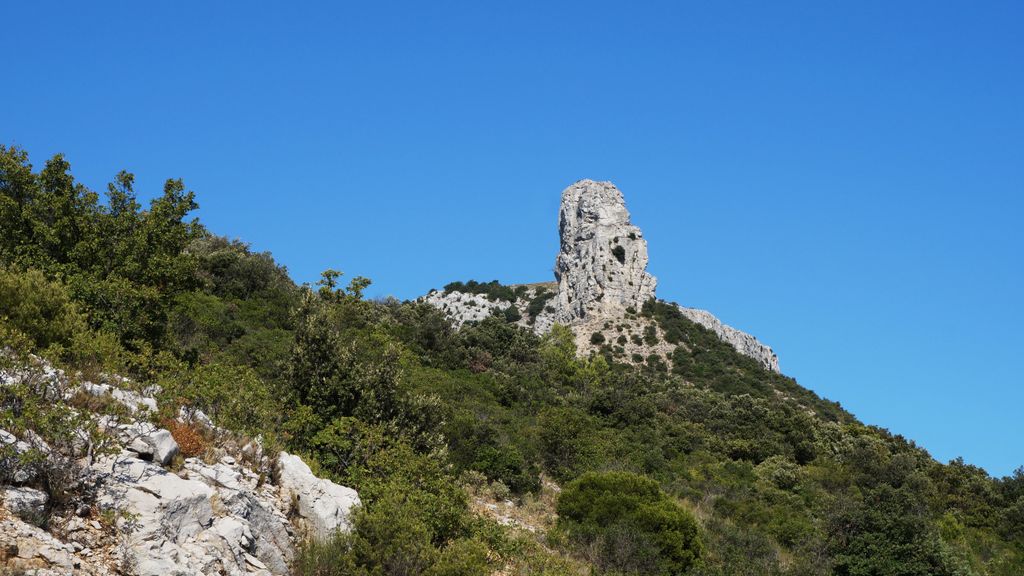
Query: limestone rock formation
28, 549
743, 343
26, 503
601, 267
462, 307
149, 442
324, 506
602, 282
208, 519
531, 304
215, 515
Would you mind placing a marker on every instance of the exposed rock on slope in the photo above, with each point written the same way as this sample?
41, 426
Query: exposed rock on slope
602, 282
462, 307
210, 515
743, 343
323, 505
602, 264
532, 305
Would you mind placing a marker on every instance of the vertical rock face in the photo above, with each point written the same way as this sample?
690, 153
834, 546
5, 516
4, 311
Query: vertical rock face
602, 265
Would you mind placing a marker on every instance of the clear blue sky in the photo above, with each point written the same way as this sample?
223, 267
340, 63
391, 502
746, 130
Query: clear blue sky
845, 180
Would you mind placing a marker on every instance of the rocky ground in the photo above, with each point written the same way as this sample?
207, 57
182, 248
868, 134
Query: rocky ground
463, 307
138, 507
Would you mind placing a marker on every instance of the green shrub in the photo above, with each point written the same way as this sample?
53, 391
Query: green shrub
567, 442
493, 290
628, 524
462, 558
511, 314
650, 335
331, 557
38, 308
538, 302
235, 397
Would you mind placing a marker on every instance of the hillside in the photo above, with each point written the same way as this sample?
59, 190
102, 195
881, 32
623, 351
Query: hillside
570, 428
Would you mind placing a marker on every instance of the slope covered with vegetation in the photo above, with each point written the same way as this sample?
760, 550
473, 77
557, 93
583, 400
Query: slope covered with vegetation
712, 466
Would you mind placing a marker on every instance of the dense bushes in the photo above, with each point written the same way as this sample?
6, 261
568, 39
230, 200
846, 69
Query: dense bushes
493, 290
38, 309
540, 299
628, 525
701, 357
235, 397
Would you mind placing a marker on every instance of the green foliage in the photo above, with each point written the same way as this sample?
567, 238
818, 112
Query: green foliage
511, 314
628, 524
650, 335
337, 375
540, 299
234, 397
567, 442
493, 290
241, 311
37, 308
889, 533
467, 557
391, 541
477, 444
701, 357
325, 558
123, 265
505, 344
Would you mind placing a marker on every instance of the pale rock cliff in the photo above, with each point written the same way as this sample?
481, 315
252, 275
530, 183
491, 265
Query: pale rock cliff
322, 505
601, 267
743, 343
602, 284
462, 307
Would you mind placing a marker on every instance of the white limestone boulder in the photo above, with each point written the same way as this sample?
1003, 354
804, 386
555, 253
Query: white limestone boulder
149, 442
324, 506
26, 503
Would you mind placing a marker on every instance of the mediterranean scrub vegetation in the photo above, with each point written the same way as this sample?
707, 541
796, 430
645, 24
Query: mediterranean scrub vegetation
709, 466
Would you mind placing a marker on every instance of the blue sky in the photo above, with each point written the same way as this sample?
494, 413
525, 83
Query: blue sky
843, 180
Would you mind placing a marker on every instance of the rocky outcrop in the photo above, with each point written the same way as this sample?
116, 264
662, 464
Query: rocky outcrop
133, 401
462, 307
208, 519
26, 503
743, 343
149, 442
601, 266
165, 517
219, 518
135, 515
28, 549
324, 506
602, 282
531, 305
